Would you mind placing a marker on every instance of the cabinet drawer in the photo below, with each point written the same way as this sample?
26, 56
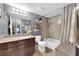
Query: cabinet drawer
11, 44
21, 42
10, 52
8, 45
3, 46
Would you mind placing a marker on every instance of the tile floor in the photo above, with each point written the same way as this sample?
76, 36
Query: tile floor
62, 50
50, 53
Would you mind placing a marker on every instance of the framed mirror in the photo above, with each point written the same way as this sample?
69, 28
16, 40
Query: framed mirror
0, 12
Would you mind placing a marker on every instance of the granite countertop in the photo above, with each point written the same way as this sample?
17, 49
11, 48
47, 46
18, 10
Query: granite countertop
13, 38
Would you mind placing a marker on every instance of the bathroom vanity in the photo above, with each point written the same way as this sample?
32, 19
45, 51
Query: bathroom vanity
17, 46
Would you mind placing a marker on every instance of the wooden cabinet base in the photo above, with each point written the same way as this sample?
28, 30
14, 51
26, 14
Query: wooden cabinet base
25, 47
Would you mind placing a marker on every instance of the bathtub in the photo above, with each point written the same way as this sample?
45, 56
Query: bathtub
52, 43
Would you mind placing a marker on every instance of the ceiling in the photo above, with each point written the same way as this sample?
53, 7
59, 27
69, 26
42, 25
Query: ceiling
43, 9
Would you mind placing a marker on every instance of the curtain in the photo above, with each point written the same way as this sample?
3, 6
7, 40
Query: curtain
67, 25
77, 40
73, 32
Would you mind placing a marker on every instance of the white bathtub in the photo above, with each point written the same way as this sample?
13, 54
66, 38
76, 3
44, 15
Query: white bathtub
52, 43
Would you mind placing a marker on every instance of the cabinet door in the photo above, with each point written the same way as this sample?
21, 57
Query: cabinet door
21, 51
31, 42
1, 52
10, 52
30, 47
2, 49
10, 49
30, 51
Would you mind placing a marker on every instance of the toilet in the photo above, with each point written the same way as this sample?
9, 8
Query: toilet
41, 44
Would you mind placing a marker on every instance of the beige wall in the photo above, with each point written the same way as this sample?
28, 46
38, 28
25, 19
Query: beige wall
55, 27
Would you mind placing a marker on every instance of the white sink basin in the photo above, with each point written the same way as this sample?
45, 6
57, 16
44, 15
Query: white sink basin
42, 43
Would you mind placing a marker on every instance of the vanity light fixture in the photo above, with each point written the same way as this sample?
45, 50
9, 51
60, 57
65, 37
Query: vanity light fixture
21, 11
24, 12
17, 10
13, 9
17, 5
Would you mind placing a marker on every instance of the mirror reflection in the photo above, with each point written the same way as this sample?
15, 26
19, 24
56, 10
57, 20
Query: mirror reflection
21, 26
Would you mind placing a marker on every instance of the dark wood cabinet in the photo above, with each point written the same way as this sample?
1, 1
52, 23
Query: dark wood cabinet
1, 52
10, 52
21, 50
30, 50
11, 48
25, 47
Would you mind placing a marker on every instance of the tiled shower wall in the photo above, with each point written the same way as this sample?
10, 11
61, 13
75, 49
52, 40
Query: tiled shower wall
55, 27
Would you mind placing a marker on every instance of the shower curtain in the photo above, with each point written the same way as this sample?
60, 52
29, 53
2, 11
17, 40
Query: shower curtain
69, 23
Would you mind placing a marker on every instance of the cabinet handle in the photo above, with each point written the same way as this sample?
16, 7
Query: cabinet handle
21, 46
